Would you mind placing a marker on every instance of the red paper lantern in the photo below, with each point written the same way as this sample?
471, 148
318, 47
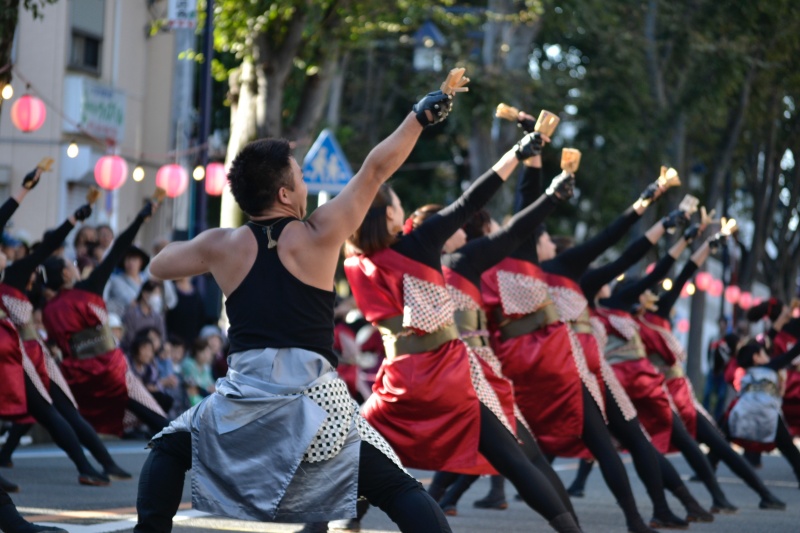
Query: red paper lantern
716, 288
732, 294
649, 268
756, 301
215, 178
110, 172
703, 281
28, 113
683, 325
172, 178
745, 300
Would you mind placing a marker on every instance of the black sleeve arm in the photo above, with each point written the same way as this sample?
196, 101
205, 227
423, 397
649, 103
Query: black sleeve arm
529, 188
19, 272
7, 211
487, 251
785, 359
573, 263
628, 296
97, 280
667, 301
593, 280
425, 242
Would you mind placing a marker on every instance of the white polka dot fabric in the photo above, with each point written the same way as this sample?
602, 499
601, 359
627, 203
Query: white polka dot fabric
618, 393
569, 303
484, 391
625, 325
19, 311
426, 306
461, 300
521, 294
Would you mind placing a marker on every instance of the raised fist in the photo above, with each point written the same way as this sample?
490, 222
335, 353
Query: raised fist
690, 233
562, 186
32, 178
716, 242
676, 219
148, 209
529, 146
434, 108
83, 212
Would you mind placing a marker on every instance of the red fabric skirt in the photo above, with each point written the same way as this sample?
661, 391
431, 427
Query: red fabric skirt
99, 387
791, 402
645, 387
683, 399
426, 408
591, 352
13, 402
547, 387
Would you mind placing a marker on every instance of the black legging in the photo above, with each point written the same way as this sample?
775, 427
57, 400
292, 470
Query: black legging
151, 419
682, 440
504, 453
55, 424
645, 456
597, 438
721, 449
534, 454
399, 495
785, 443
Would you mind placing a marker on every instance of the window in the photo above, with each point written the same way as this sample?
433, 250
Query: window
87, 19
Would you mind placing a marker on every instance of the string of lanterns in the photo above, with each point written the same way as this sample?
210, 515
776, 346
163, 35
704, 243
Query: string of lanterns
715, 288
28, 113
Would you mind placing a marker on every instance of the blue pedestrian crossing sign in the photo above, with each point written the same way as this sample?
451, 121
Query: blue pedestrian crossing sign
325, 167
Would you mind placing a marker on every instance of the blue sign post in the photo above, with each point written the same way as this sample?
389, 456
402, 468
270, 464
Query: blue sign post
325, 167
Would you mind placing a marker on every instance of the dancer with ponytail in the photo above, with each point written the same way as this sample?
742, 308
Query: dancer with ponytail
429, 389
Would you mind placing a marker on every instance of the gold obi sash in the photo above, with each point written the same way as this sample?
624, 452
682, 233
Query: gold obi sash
27, 332
516, 327
92, 342
398, 340
472, 326
619, 349
669, 372
582, 324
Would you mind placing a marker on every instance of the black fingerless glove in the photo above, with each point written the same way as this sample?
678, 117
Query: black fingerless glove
528, 125
31, 179
437, 103
562, 186
83, 212
675, 220
649, 193
147, 210
529, 146
690, 233
716, 242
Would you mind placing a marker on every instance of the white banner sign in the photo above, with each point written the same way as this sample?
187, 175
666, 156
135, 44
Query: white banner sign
97, 109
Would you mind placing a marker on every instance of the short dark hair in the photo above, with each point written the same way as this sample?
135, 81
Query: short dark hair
746, 352
424, 213
139, 340
563, 243
198, 346
373, 235
258, 173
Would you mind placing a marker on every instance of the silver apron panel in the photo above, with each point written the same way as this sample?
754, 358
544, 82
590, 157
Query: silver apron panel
756, 415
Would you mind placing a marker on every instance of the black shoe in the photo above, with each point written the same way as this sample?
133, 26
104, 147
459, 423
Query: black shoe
640, 527
491, 502
6, 463
668, 522
94, 480
771, 502
8, 486
116, 473
723, 506
450, 510
698, 514
575, 492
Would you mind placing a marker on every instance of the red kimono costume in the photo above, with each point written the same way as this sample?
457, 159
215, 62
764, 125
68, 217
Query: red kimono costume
667, 355
98, 383
423, 403
782, 343
539, 354
643, 384
471, 322
13, 400
41, 367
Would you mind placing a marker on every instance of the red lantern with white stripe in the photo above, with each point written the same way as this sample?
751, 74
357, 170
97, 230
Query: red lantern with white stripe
173, 179
745, 300
215, 178
732, 294
703, 281
110, 172
28, 113
716, 288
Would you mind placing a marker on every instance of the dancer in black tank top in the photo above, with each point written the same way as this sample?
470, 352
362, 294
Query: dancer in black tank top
278, 275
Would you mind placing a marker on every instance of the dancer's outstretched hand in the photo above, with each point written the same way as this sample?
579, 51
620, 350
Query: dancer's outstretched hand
32, 178
83, 212
676, 219
529, 146
562, 186
433, 108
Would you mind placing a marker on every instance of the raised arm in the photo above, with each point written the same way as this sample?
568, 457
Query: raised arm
629, 295
97, 280
10, 206
485, 252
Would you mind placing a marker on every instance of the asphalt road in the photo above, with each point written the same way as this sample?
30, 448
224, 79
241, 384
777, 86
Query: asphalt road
50, 494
